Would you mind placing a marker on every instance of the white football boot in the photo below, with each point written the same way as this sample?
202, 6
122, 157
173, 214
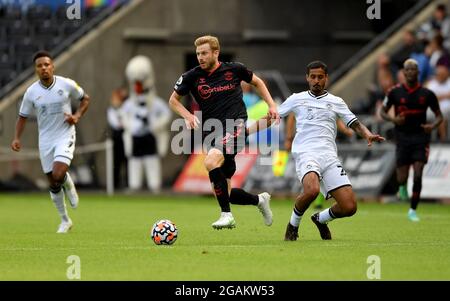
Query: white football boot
226, 220
71, 192
264, 208
64, 227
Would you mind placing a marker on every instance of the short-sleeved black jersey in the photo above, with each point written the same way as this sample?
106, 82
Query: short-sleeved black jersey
413, 104
219, 92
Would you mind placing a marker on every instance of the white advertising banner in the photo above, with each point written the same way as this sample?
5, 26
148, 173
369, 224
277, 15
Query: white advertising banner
436, 174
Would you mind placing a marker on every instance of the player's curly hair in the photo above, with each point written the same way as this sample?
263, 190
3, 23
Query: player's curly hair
41, 53
211, 40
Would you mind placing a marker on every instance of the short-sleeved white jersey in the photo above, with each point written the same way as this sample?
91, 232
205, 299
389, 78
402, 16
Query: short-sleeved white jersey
49, 105
316, 121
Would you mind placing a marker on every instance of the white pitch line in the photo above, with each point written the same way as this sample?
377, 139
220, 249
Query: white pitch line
300, 244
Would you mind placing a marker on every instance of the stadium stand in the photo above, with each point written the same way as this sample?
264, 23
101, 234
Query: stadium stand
25, 29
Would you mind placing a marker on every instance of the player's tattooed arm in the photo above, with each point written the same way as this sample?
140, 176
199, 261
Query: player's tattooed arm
364, 132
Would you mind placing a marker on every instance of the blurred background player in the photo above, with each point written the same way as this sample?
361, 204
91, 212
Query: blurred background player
146, 116
315, 152
440, 85
50, 99
216, 87
412, 132
116, 126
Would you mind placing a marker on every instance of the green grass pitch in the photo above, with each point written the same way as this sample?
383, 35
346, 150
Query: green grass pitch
111, 238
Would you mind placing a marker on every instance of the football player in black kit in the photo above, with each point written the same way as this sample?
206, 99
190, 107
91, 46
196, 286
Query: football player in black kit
216, 87
412, 132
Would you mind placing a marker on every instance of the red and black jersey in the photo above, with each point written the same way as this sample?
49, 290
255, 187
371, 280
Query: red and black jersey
218, 92
413, 104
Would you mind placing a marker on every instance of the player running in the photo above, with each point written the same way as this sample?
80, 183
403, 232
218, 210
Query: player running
50, 99
216, 87
412, 132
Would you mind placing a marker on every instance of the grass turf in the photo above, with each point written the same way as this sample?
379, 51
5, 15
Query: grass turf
111, 237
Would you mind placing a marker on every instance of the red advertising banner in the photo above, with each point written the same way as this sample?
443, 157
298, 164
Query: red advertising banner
194, 177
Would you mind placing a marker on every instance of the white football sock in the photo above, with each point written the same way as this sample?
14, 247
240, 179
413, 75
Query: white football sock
295, 218
58, 200
68, 182
326, 216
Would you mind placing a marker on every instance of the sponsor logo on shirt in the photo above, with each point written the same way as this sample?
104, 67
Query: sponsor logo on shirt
205, 91
228, 75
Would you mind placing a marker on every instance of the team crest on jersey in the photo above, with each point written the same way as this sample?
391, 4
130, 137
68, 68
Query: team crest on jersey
60, 92
228, 75
310, 114
329, 106
201, 80
422, 100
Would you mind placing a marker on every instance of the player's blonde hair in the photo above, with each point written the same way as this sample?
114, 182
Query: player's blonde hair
211, 40
410, 62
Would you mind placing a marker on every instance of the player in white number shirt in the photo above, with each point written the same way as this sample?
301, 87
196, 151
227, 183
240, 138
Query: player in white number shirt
50, 99
315, 152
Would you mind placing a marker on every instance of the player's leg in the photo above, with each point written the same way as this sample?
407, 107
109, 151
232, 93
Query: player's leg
402, 178
151, 162
239, 196
56, 178
337, 185
135, 173
403, 161
345, 206
56, 193
213, 162
311, 188
153, 172
136, 163
417, 188
62, 158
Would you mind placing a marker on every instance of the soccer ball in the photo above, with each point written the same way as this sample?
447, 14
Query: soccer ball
164, 232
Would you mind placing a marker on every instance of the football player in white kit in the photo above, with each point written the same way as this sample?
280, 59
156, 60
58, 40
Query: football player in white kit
314, 150
50, 99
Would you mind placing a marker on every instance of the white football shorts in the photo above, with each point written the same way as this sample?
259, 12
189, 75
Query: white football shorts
328, 167
61, 151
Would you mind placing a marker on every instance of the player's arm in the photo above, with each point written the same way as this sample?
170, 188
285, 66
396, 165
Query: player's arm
262, 90
364, 132
343, 128
261, 124
389, 116
75, 118
290, 132
175, 104
434, 105
20, 126
428, 127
